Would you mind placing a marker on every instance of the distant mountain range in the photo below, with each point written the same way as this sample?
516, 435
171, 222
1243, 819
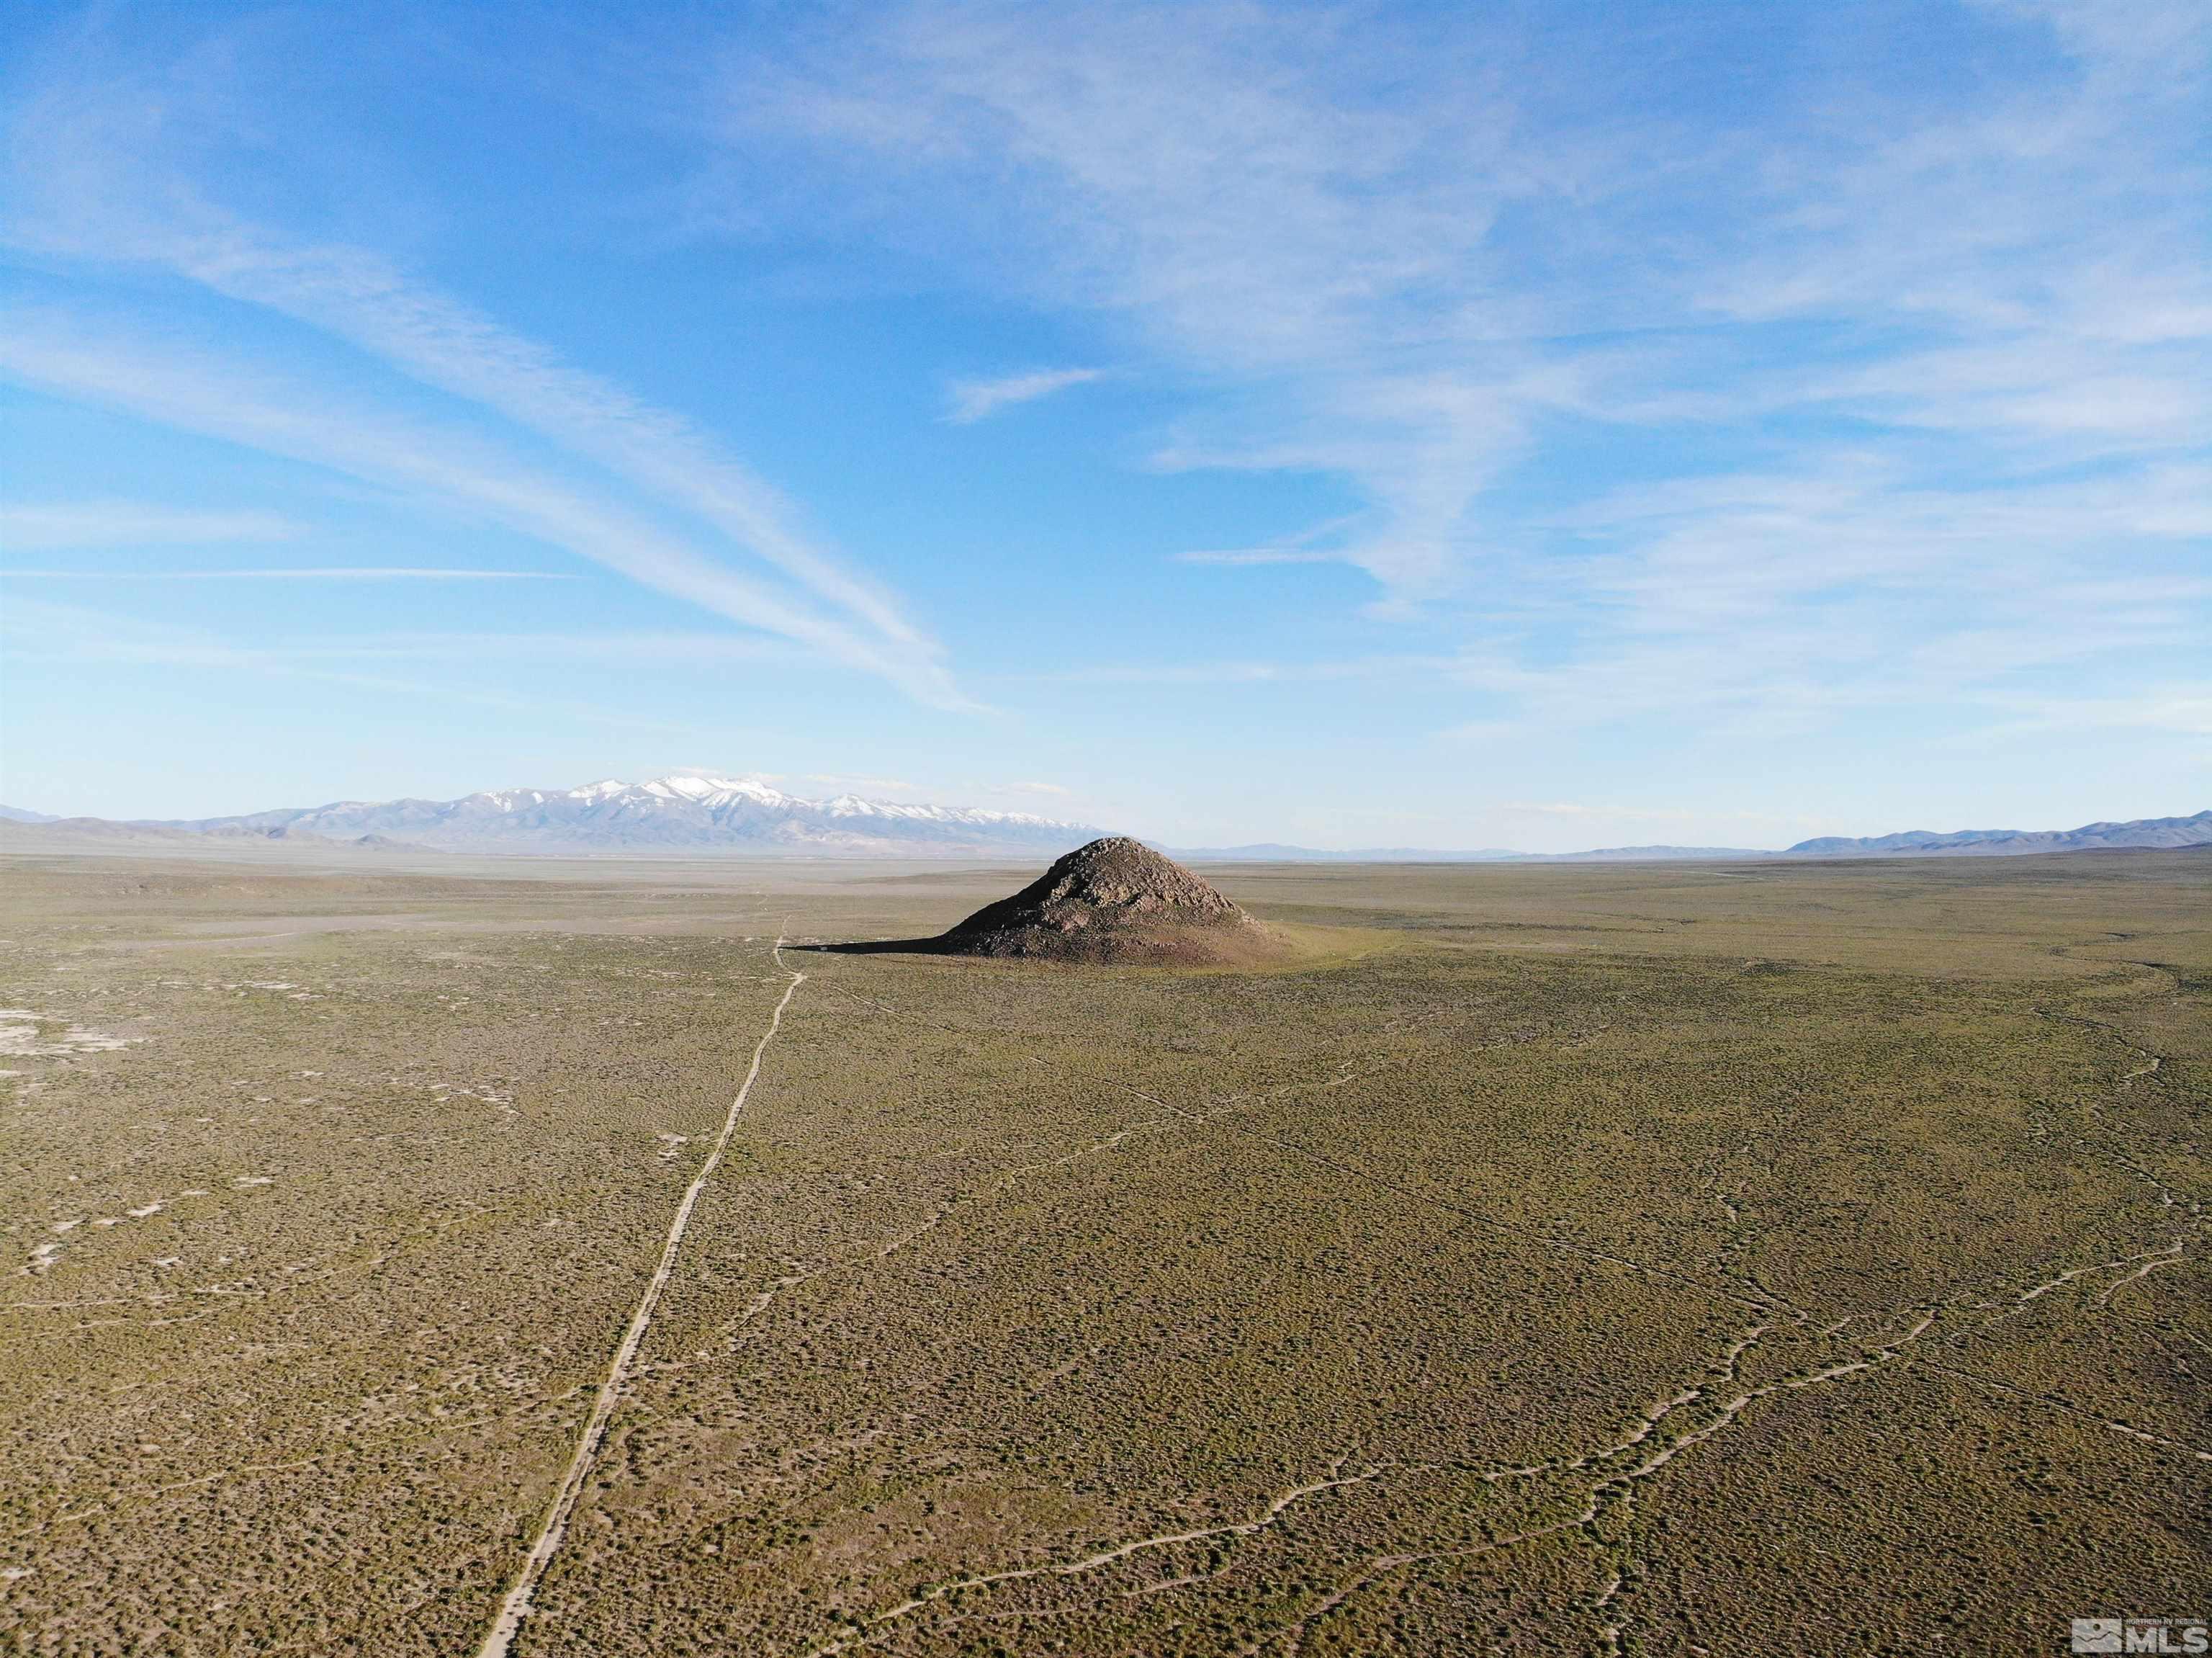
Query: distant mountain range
683, 812
2141, 832
695, 814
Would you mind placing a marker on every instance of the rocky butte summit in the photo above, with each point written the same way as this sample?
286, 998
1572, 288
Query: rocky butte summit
1116, 901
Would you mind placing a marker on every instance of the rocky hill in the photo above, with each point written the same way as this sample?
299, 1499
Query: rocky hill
1116, 901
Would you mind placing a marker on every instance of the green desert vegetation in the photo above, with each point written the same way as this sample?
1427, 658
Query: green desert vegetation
1632, 1260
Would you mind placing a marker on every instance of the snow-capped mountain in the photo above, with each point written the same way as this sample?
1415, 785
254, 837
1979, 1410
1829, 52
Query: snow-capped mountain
681, 812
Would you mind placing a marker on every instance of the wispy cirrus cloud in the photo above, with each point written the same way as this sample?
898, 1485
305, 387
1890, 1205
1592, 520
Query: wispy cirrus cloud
1220, 176
1645, 813
100, 172
2182, 709
1418, 252
1240, 555
970, 400
301, 573
103, 362
40, 631
1291, 671
1750, 385
843, 781
54, 526
1299, 549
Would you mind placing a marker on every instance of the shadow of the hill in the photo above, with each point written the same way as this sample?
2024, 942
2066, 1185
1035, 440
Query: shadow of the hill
882, 947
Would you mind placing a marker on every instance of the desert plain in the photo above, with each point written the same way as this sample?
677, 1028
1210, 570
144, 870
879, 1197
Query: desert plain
1721, 1259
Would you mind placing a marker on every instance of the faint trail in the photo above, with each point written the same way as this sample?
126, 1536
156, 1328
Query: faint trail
1498, 1229
2171, 1196
2152, 1059
2159, 1439
1613, 1486
2144, 1263
1266, 1517
1108, 1081
1735, 1407
1609, 1628
875, 1253
727, 1335
1764, 1301
2167, 1257
1720, 1369
1670, 1427
408, 1435
2143, 1070
516, 1607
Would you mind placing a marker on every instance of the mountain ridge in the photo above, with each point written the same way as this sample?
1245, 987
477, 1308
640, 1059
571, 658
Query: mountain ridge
696, 813
679, 812
2135, 834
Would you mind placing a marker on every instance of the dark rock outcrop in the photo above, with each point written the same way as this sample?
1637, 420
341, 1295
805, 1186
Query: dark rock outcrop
1116, 901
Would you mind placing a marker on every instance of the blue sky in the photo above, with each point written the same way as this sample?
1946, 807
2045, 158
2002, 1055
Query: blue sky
1522, 425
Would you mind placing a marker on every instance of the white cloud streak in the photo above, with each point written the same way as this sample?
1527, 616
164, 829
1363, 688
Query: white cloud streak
95, 158
56, 527
37, 631
102, 363
278, 573
1944, 362
1302, 548
1245, 556
1648, 814
1412, 668
971, 400
1216, 174
1937, 366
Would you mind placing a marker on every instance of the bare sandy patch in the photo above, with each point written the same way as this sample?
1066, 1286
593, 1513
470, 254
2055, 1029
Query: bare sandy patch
26, 1035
